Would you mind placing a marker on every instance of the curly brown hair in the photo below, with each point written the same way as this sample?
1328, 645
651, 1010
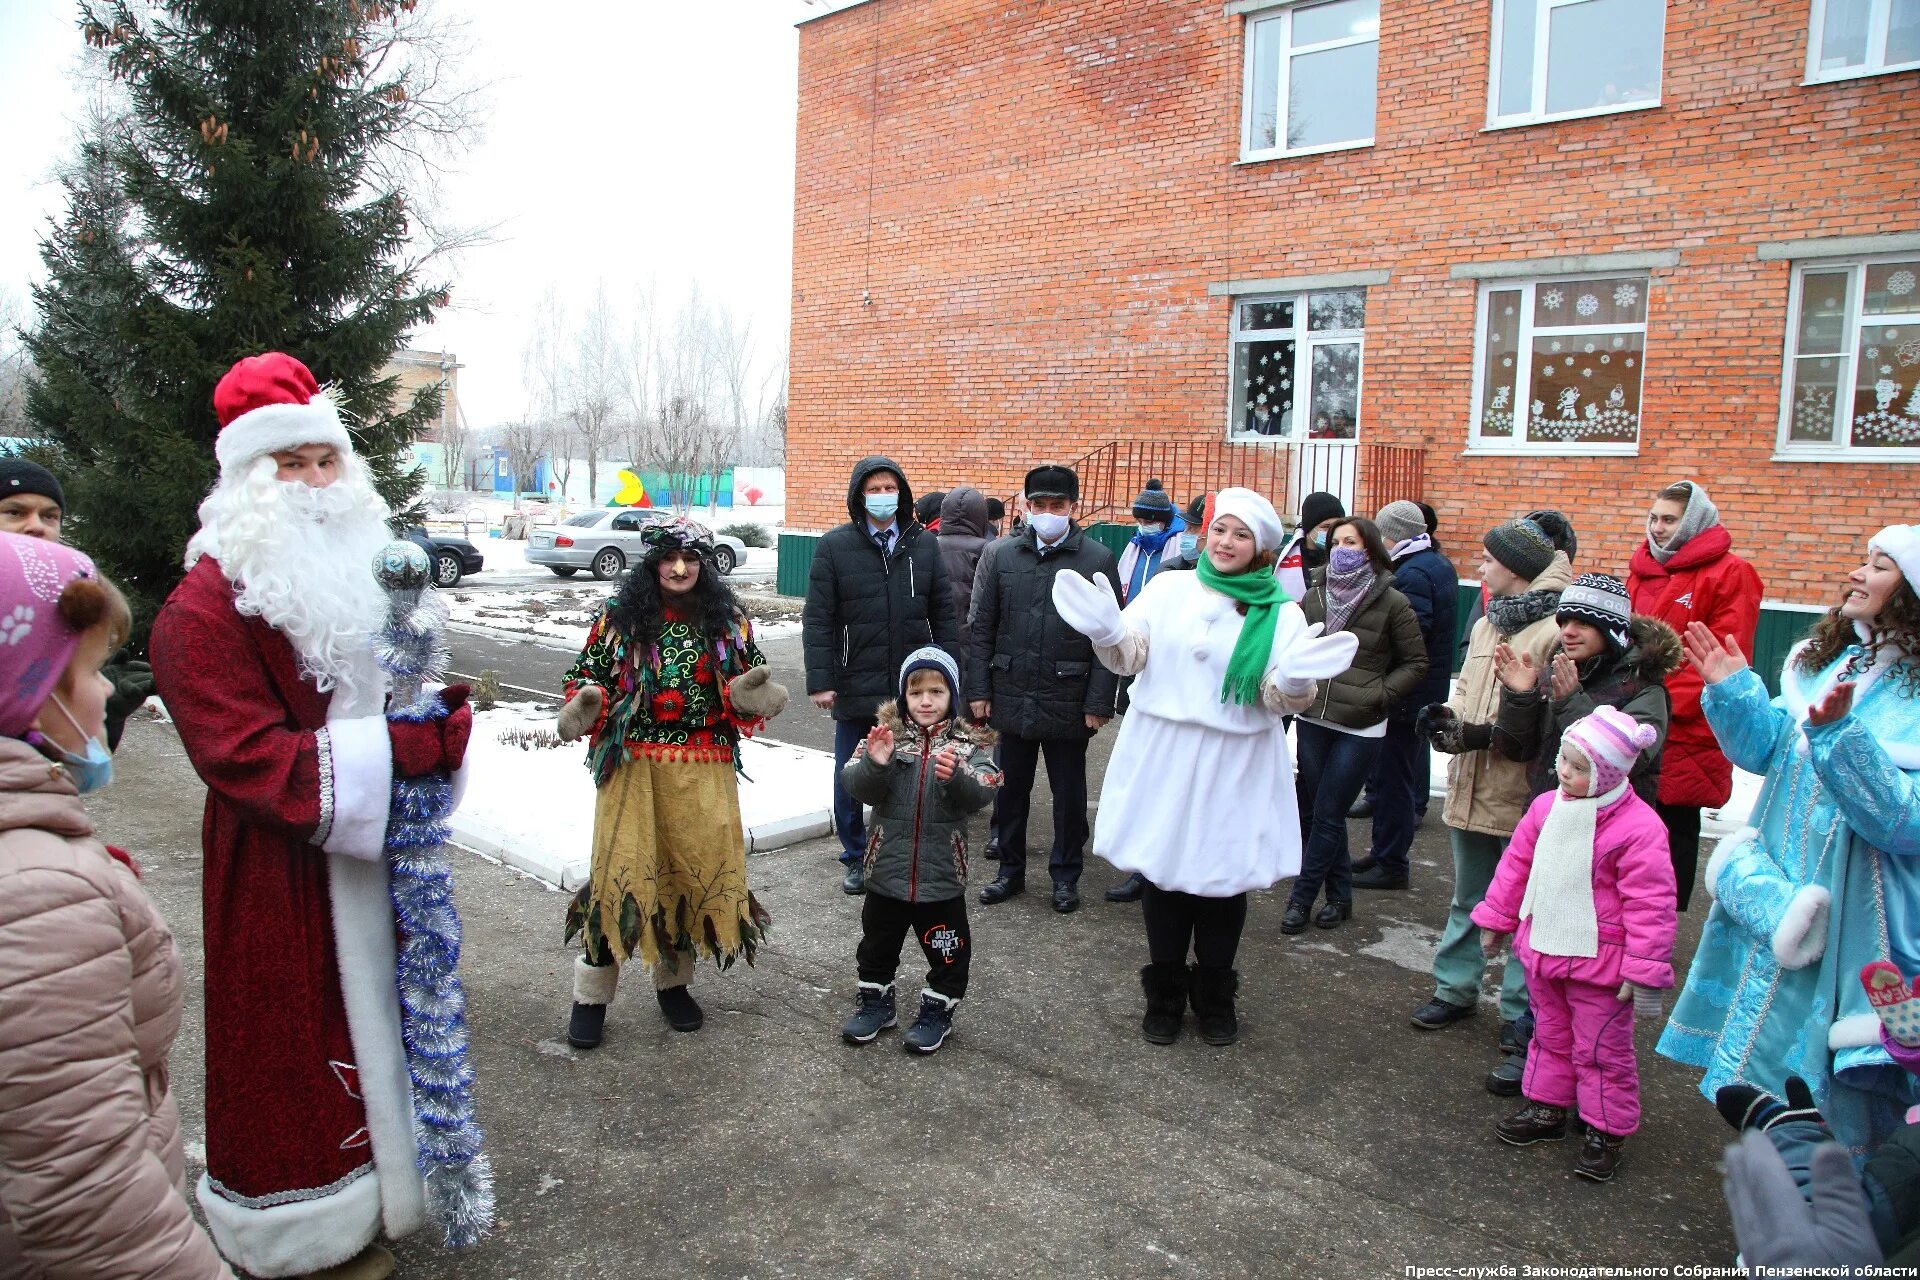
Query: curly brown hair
1898, 624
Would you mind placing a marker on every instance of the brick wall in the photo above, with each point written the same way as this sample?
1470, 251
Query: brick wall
1007, 213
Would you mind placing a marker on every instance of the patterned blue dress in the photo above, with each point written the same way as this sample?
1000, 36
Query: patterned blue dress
1826, 879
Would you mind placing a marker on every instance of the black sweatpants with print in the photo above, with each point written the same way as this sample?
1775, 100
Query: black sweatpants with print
941, 928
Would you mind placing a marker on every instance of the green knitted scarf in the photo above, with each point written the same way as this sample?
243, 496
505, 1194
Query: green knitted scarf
1261, 592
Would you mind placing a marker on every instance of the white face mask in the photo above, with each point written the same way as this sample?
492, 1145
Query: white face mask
1047, 526
1151, 527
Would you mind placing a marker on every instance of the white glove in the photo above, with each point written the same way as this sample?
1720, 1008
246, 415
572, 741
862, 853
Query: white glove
1648, 1004
1089, 607
1308, 655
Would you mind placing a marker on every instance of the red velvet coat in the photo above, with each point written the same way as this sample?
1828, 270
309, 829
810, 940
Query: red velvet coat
1702, 582
291, 811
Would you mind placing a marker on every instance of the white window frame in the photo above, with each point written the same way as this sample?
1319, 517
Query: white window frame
1542, 26
1523, 362
1304, 343
1283, 13
1879, 25
1787, 449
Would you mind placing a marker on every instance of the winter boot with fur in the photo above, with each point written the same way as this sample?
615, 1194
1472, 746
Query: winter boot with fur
593, 987
1211, 990
1166, 988
873, 1012
935, 1023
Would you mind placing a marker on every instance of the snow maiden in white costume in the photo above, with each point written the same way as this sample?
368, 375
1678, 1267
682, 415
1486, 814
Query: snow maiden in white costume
1198, 796
1827, 877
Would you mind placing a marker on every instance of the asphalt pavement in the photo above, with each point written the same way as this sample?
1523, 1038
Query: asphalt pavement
1046, 1139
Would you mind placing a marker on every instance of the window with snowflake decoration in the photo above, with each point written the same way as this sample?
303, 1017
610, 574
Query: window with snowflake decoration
1296, 366
1852, 380
1310, 81
1852, 38
1554, 59
1558, 365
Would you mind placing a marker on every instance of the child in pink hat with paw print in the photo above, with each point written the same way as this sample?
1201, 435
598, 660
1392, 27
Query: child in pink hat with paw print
1586, 892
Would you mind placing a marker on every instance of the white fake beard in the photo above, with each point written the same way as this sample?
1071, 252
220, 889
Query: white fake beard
301, 560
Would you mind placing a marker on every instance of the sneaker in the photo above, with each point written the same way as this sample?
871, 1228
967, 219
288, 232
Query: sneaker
1504, 1080
1437, 1013
935, 1023
1599, 1157
873, 1013
586, 1025
1535, 1122
682, 1010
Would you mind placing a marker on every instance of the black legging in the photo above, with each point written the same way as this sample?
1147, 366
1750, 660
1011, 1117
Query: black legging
1211, 925
1683, 843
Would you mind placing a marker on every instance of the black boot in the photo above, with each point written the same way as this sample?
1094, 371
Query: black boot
683, 1012
1211, 989
593, 988
1166, 988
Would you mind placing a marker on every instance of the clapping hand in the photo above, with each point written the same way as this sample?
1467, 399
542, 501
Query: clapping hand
1089, 606
944, 763
880, 745
1566, 678
1713, 659
1514, 669
1309, 655
1835, 706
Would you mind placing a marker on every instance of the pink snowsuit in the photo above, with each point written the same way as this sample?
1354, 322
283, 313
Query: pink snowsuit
1582, 1046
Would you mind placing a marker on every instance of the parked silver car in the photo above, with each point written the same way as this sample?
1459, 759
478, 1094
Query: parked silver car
608, 540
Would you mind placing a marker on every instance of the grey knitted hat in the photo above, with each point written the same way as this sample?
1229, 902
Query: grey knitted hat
1399, 521
1519, 545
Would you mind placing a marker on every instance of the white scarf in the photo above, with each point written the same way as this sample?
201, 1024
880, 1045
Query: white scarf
1407, 546
1559, 893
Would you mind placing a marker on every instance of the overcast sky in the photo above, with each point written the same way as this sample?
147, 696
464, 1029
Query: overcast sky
622, 143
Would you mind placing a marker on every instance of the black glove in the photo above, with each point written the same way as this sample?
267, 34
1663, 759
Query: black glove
1747, 1108
1435, 720
132, 686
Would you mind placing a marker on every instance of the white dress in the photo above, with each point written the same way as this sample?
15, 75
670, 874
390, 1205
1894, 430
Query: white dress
1198, 796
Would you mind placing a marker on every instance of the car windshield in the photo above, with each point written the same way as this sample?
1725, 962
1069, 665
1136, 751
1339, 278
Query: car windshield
586, 518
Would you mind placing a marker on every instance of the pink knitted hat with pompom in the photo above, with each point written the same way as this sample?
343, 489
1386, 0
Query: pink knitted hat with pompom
1612, 740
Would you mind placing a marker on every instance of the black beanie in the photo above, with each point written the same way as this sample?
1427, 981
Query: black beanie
996, 510
1317, 508
1153, 503
17, 475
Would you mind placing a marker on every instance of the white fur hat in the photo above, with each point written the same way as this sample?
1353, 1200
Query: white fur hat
1253, 511
1901, 543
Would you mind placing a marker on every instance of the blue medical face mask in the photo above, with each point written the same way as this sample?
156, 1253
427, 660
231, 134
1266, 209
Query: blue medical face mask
881, 506
1320, 539
92, 771
1189, 544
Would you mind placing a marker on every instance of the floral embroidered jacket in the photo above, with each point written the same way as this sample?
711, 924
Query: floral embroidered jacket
1825, 879
666, 699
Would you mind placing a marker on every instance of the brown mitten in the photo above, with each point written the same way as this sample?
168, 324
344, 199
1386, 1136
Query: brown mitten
581, 713
755, 696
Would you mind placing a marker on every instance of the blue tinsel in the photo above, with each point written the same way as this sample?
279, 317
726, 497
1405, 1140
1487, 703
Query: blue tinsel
432, 1003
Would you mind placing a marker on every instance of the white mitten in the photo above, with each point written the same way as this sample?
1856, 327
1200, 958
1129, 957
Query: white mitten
1089, 607
1648, 1003
1312, 656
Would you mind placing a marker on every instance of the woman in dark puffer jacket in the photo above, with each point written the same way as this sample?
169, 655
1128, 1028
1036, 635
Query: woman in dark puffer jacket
1340, 735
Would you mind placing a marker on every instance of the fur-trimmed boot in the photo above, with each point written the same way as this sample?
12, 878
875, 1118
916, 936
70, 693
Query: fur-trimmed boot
1166, 988
1212, 990
593, 987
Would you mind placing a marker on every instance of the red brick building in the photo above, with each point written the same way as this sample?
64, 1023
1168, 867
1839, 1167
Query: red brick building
1571, 249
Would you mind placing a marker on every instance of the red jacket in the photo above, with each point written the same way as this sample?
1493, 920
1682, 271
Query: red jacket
1702, 582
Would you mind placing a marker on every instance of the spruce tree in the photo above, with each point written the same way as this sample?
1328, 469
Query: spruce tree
235, 203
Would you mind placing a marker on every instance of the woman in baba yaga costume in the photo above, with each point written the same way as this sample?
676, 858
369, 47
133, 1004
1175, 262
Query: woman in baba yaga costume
669, 682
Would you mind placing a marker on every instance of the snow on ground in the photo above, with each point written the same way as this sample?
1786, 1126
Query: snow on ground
533, 807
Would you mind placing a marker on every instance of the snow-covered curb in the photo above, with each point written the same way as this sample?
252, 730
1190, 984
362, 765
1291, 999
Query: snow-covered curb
533, 809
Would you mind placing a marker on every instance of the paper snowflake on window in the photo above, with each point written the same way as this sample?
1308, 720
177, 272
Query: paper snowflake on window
1552, 299
1261, 398
1506, 362
1554, 345
1586, 373
1619, 342
1605, 358
1909, 351
1569, 362
1900, 283
1626, 295
1587, 305
1589, 348
1873, 353
1629, 362
1506, 311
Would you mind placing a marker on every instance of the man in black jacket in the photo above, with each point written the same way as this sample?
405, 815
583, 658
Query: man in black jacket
1035, 679
876, 593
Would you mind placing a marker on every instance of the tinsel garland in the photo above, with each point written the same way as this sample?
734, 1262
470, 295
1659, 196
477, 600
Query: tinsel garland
458, 1174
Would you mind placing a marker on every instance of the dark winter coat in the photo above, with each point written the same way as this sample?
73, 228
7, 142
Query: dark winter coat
917, 841
1701, 582
1529, 725
963, 536
1391, 662
1039, 672
1426, 578
866, 612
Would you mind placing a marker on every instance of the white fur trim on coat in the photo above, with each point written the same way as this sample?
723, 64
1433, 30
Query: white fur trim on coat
1854, 1031
594, 983
273, 427
360, 763
1723, 851
296, 1238
1802, 934
363, 938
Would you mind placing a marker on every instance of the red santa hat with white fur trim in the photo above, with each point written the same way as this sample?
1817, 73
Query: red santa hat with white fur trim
1901, 543
267, 403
